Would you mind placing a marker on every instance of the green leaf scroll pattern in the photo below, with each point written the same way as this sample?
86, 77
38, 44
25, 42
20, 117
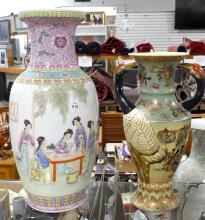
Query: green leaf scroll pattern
58, 97
40, 101
43, 52
43, 34
81, 93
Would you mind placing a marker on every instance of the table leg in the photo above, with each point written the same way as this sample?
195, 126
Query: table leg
81, 165
54, 172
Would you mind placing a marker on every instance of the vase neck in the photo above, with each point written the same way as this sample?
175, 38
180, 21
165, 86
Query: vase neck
52, 43
157, 77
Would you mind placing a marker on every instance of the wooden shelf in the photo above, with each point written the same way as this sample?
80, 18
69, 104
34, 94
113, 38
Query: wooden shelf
8, 169
18, 70
12, 69
108, 57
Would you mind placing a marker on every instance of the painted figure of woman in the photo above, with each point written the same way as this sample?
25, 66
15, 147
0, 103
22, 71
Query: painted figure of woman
45, 172
25, 146
90, 145
91, 136
71, 144
80, 138
63, 145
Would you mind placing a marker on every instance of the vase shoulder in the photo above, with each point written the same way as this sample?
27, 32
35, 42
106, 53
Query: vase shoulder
71, 75
162, 110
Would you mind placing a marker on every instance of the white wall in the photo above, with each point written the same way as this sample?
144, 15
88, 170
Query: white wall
139, 5
155, 27
15, 6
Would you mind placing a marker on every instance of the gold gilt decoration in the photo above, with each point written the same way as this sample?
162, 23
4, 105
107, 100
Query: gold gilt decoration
155, 196
156, 187
56, 13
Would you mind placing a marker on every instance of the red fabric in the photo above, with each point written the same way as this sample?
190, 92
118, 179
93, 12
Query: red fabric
105, 78
107, 48
144, 47
196, 47
112, 46
103, 91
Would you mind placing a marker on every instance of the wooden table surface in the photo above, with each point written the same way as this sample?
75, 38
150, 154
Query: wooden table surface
12, 69
60, 158
56, 158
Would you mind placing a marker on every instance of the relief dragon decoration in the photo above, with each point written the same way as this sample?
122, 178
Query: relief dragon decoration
149, 147
145, 147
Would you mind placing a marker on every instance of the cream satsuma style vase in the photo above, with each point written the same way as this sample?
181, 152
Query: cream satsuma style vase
54, 115
157, 126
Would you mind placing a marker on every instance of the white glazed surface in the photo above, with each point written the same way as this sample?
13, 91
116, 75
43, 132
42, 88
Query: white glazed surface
52, 127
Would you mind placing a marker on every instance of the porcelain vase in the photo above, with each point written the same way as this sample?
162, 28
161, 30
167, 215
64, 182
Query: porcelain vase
157, 126
192, 169
189, 177
53, 111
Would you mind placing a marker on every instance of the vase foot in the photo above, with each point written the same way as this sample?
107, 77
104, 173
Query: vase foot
165, 215
56, 204
155, 197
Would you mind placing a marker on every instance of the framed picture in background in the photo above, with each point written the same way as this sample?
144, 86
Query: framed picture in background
5, 32
19, 25
3, 58
95, 18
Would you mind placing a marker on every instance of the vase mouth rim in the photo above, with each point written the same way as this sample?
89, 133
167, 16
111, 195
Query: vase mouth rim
52, 13
161, 55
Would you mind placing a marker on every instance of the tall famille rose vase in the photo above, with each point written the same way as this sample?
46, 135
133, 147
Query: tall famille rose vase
54, 115
157, 126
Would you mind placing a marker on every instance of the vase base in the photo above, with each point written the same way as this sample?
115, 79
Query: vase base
56, 204
150, 198
165, 215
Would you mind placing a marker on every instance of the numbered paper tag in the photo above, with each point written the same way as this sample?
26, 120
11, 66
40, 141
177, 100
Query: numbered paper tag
85, 61
75, 107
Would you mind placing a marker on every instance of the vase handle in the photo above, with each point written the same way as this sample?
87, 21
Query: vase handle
199, 75
125, 104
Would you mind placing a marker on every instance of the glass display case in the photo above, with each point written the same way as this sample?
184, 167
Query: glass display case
111, 200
